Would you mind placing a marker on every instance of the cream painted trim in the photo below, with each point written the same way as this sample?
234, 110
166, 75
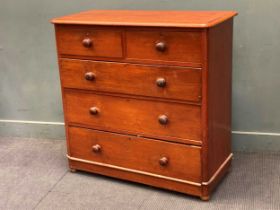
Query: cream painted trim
218, 171
31, 122
155, 175
134, 171
255, 133
62, 123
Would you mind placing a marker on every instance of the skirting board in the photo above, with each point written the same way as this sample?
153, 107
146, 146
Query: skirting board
254, 142
32, 130
241, 141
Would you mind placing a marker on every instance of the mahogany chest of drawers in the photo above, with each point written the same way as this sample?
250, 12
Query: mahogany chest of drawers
147, 95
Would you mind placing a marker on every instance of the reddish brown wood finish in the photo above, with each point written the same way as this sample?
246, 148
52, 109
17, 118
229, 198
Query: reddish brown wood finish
137, 153
181, 83
180, 19
219, 96
115, 104
179, 46
104, 43
139, 116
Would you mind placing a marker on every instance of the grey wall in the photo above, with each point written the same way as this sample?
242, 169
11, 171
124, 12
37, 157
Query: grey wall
29, 83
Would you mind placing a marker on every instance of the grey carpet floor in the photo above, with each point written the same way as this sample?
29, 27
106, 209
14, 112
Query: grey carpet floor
34, 175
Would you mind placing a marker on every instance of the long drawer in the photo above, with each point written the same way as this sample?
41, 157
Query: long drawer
140, 116
128, 152
163, 82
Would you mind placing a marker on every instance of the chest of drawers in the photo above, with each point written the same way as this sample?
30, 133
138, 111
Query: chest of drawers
147, 95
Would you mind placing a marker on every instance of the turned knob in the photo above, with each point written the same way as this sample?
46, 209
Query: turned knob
161, 46
96, 148
87, 42
163, 161
161, 82
90, 76
163, 119
93, 110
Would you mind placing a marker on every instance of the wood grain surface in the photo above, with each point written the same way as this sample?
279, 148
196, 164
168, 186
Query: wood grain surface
140, 116
190, 19
180, 46
137, 153
104, 43
181, 83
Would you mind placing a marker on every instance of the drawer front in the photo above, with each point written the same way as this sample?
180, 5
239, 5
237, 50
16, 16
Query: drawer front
88, 41
164, 46
163, 158
164, 82
150, 118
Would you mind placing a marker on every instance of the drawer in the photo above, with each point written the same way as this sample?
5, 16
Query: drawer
164, 82
152, 156
164, 46
146, 117
88, 41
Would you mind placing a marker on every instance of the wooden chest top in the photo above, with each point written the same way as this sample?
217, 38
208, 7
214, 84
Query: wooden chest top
190, 19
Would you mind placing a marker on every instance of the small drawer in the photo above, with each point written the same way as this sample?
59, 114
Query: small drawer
141, 154
140, 116
165, 46
88, 41
163, 82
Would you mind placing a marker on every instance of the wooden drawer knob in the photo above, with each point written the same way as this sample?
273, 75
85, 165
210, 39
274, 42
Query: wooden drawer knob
163, 161
161, 46
90, 76
87, 42
163, 119
161, 82
94, 110
96, 148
